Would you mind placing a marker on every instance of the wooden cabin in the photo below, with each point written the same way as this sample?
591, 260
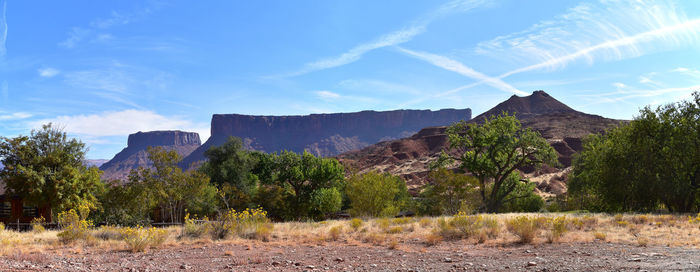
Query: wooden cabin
14, 210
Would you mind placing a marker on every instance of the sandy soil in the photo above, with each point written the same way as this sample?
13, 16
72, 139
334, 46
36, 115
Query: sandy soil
340, 256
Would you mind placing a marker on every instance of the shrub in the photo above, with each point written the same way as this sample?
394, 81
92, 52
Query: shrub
559, 227
524, 199
448, 193
374, 194
139, 239
599, 235
642, 241
465, 226
335, 232
2, 226
194, 230
433, 238
245, 224
394, 230
356, 223
525, 227
383, 223
73, 226
326, 200
38, 224
425, 222
107, 233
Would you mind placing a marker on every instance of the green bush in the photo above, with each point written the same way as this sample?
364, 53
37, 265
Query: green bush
449, 193
374, 194
524, 199
326, 200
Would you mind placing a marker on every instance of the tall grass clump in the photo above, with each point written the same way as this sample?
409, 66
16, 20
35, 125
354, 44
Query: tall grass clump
194, 230
139, 239
525, 227
356, 223
462, 226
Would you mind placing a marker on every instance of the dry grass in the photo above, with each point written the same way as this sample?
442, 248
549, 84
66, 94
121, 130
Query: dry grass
641, 230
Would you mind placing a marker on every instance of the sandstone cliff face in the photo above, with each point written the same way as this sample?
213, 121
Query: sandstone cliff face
135, 155
322, 134
562, 126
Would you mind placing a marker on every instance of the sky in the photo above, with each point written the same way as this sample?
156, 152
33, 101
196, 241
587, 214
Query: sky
101, 70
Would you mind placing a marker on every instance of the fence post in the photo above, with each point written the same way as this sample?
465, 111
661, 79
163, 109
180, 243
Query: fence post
18, 224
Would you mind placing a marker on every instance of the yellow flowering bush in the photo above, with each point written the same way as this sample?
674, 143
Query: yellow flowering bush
525, 227
73, 226
139, 239
250, 223
38, 224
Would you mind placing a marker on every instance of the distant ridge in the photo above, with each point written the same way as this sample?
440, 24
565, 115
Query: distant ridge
135, 155
321, 134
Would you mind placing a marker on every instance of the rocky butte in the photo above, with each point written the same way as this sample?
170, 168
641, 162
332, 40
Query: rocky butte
135, 155
322, 134
562, 126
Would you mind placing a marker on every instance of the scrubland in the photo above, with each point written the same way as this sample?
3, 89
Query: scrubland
497, 230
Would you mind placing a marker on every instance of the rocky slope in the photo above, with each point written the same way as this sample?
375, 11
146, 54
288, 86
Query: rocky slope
135, 155
322, 134
562, 126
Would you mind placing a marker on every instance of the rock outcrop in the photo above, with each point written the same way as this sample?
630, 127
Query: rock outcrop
561, 125
135, 155
322, 134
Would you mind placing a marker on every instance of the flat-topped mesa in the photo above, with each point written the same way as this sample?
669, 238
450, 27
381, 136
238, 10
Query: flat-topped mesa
135, 154
163, 138
322, 134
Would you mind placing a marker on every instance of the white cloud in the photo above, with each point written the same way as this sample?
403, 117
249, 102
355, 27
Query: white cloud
619, 85
15, 116
3, 29
394, 38
607, 30
327, 95
687, 72
48, 72
122, 123
455, 66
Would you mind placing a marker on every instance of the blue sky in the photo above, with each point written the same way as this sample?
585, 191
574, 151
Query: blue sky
104, 69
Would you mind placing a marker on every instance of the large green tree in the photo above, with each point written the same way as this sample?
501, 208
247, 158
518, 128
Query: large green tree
230, 168
493, 151
47, 168
650, 163
170, 188
375, 194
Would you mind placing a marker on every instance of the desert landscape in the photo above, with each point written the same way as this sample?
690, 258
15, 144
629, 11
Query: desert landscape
448, 135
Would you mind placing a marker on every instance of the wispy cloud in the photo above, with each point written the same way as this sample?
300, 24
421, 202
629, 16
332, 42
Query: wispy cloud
48, 72
3, 29
456, 66
394, 38
327, 95
15, 116
687, 71
94, 30
122, 123
606, 30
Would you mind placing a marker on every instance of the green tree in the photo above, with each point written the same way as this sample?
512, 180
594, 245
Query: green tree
325, 201
494, 150
230, 168
652, 162
46, 168
171, 189
449, 192
303, 175
374, 194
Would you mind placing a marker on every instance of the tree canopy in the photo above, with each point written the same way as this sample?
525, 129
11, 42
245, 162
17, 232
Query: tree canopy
47, 168
493, 151
649, 164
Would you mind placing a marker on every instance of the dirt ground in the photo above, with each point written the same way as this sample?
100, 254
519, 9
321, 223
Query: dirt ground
339, 256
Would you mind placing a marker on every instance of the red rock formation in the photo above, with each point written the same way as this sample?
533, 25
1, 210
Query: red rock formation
409, 157
135, 155
322, 134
